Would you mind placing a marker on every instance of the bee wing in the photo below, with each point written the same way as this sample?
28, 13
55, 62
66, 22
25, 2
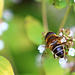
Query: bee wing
46, 54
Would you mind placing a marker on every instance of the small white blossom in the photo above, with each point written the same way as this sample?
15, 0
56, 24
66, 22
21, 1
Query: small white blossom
38, 60
1, 44
62, 61
64, 65
71, 51
41, 48
4, 26
60, 34
74, 0
63, 40
73, 30
7, 14
71, 33
67, 65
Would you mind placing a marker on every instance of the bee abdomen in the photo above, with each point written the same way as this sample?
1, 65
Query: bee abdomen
60, 54
58, 50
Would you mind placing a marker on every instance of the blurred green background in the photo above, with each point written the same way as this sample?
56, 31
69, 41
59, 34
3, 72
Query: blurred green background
24, 36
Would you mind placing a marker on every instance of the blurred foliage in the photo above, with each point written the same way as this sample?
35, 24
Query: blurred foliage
34, 29
52, 67
25, 34
59, 3
17, 37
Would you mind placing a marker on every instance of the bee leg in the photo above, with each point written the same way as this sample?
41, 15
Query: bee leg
43, 54
43, 33
64, 54
54, 56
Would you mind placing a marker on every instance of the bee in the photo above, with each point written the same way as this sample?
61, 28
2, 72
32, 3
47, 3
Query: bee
54, 44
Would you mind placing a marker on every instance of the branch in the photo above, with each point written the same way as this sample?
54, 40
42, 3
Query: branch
64, 19
44, 15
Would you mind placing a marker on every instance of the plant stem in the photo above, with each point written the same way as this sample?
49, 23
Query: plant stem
44, 15
64, 19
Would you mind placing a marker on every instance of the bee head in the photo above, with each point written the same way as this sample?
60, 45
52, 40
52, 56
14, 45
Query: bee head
48, 34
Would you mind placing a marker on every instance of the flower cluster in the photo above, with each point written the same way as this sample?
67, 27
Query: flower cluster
67, 37
65, 64
66, 32
3, 27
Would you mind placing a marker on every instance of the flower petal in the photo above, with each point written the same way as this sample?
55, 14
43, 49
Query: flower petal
62, 61
41, 48
71, 51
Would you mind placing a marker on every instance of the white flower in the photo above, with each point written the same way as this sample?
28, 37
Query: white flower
71, 33
71, 51
1, 44
38, 59
41, 48
74, 0
62, 61
64, 65
7, 14
4, 26
60, 34
73, 30
67, 65
63, 40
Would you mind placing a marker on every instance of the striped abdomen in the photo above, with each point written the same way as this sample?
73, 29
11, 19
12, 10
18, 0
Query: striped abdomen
58, 50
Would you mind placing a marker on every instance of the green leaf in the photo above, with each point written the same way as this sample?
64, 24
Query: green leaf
71, 2
19, 43
41, 0
34, 29
58, 4
5, 67
1, 8
61, 4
